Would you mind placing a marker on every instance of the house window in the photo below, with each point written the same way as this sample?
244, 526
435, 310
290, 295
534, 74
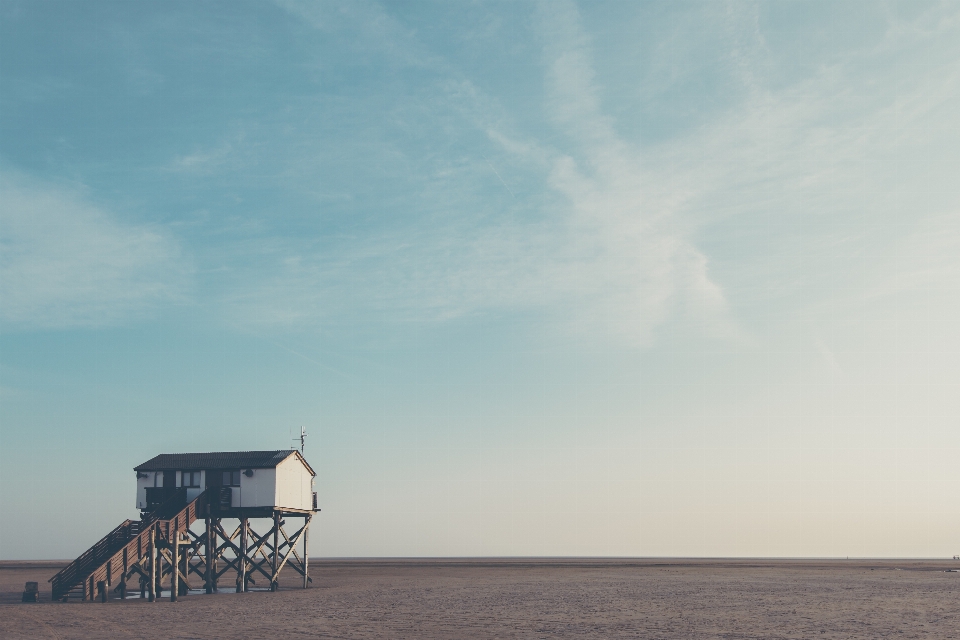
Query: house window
231, 478
191, 478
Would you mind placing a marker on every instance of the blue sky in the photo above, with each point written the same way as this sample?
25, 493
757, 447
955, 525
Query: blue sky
539, 279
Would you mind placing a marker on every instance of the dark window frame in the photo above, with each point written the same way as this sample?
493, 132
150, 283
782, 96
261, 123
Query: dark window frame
194, 479
231, 478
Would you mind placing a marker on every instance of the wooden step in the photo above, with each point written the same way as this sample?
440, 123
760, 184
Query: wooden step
109, 549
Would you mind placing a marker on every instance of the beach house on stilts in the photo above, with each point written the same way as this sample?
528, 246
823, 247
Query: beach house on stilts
176, 492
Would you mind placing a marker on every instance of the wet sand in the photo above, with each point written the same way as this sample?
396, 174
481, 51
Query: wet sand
517, 598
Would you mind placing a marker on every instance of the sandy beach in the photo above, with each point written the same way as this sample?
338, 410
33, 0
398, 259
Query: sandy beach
528, 598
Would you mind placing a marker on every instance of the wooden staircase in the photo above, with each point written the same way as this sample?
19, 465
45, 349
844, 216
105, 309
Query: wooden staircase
120, 554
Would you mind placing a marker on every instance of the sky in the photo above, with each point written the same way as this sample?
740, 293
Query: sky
555, 279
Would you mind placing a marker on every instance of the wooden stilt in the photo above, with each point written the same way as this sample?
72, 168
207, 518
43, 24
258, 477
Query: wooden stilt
242, 558
153, 564
158, 587
209, 547
123, 576
184, 563
276, 551
105, 595
216, 531
306, 550
175, 567
214, 526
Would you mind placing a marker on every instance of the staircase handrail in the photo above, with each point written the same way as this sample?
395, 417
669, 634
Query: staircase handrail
82, 565
87, 556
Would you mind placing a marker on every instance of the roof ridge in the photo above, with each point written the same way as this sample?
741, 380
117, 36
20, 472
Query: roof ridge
218, 460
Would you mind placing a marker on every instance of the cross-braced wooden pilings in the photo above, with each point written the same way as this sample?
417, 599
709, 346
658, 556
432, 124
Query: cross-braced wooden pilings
251, 555
185, 559
169, 552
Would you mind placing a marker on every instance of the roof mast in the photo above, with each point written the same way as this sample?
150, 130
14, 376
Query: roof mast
303, 438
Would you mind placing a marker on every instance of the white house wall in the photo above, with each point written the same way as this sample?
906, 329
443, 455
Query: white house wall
257, 490
294, 485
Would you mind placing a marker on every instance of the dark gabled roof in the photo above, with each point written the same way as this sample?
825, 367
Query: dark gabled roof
220, 460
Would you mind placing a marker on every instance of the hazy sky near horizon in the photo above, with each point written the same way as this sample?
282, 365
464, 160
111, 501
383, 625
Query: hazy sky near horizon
607, 278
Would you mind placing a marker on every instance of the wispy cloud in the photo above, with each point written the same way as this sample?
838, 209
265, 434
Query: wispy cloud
825, 156
635, 264
601, 251
203, 159
66, 262
618, 239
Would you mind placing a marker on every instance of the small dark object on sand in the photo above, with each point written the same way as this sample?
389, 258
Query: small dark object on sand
31, 592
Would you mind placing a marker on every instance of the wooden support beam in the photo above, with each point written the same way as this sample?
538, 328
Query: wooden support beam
167, 555
123, 575
184, 567
153, 564
137, 570
105, 593
306, 550
212, 541
291, 547
194, 549
174, 564
292, 544
227, 540
227, 544
249, 558
257, 566
210, 545
242, 559
163, 565
276, 537
260, 543
229, 565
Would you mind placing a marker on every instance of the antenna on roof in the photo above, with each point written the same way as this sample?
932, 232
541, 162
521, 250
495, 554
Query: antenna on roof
303, 438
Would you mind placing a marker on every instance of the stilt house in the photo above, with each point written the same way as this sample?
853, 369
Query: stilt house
176, 491
241, 480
